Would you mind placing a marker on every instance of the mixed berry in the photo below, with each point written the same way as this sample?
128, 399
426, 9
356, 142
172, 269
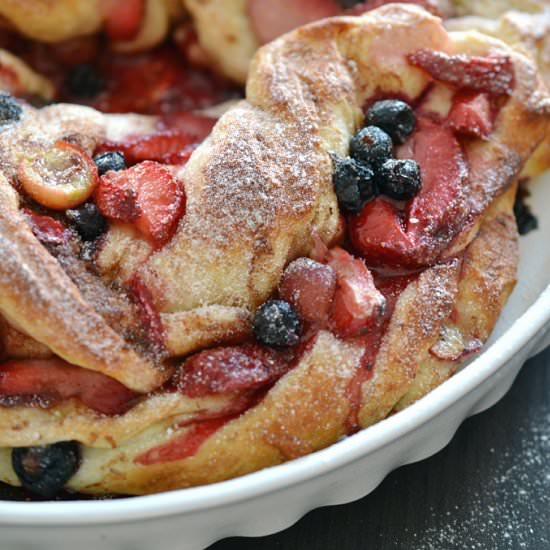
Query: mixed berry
277, 323
45, 469
354, 184
399, 179
395, 117
10, 110
60, 177
371, 170
87, 221
371, 145
110, 160
525, 219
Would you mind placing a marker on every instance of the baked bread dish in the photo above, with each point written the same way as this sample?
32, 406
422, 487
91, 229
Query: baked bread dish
336, 247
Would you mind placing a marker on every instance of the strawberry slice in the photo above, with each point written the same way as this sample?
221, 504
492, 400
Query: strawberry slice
147, 195
271, 18
471, 115
493, 74
185, 445
201, 427
173, 144
149, 313
358, 305
122, 19
377, 232
157, 82
230, 369
166, 147
55, 380
434, 214
431, 219
309, 286
47, 229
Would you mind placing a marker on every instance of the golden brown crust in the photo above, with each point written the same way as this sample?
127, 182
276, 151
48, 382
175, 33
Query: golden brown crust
16, 345
60, 20
303, 102
414, 327
257, 189
228, 39
52, 21
188, 331
38, 297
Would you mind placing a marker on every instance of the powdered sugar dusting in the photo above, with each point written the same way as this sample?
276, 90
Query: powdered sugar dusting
517, 490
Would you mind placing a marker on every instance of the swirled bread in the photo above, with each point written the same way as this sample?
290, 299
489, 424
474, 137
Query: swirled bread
259, 195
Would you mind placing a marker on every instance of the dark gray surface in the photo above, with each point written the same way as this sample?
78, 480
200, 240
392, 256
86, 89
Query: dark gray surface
488, 489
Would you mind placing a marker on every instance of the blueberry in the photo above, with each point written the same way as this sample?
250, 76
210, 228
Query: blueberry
111, 160
276, 323
371, 145
10, 110
87, 221
84, 81
394, 117
525, 219
44, 470
399, 179
353, 184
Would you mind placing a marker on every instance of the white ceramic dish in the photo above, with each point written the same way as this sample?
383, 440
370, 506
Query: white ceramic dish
273, 499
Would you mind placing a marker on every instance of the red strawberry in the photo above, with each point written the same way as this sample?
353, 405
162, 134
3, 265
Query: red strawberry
173, 144
377, 232
271, 18
230, 369
147, 195
55, 379
46, 229
185, 445
149, 313
436, 211
309, 286
166, 146
471, 115
493, 74
358, 305
122, 19
386, 237
157, 82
